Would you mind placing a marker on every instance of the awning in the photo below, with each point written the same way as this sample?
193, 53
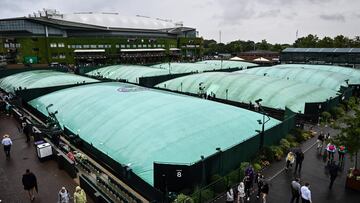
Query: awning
140, 50
88, 50
174, 49
236, 59
261, 59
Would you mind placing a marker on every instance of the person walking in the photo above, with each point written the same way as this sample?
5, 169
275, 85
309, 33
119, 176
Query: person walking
247, 182
306, 193
299, 158
259, 179
290, 158
28, 130
333, 171
79, 195
6, 141
295, 190
241, 193
331, 149
230, 195
342, 151
320, 142
30, 184
63, 196
264, 191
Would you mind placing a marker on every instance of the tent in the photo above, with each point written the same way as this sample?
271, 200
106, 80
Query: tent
261, 59
236, 59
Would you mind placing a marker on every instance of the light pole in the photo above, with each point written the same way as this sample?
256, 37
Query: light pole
220, 159
262, 134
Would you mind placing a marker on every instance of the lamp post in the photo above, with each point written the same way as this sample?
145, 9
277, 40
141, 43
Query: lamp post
262, 134
203, 177
220, 159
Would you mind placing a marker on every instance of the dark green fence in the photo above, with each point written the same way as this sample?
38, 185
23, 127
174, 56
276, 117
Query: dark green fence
223, 162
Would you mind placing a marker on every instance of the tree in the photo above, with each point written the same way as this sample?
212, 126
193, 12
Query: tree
340, 41
326, 42
350, 135
307, 42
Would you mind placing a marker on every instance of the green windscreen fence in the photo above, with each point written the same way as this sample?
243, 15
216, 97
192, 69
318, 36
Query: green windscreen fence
136, 126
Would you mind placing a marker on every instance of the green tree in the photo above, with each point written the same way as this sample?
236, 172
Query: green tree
306, 42
326, 42
349, 136
340, 41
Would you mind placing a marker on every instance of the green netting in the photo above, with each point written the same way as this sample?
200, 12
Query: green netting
322, 78
41, 78
130, 73
138, 126
353, 73
228, 64
275, 93
202, 66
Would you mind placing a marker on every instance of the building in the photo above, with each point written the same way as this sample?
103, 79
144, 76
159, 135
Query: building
337, 56
95, 38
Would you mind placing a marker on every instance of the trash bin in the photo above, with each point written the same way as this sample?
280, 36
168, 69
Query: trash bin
44, 150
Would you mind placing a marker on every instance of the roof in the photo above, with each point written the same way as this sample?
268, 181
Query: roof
353, 74
116, 20
141, 50
130, 73
41, 78
323, 50
322, 78
275, 93
88, 50
142, 126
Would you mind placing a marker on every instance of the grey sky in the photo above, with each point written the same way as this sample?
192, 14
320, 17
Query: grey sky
273, 20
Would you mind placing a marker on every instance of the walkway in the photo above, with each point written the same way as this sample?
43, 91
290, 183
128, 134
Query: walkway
313, 171
23, 156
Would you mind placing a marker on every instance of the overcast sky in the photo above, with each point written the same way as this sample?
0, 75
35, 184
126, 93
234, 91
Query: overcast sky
274, 20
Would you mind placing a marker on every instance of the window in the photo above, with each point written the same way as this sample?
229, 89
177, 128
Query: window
17, 45
86, 46
73, 46
128, 46
123, 46
6, 45
134, 46
117, 46
163, 45
93, 46
53, 45
100, 46
139, 46
69, 46
78, 46
61, 45
62, 56
145, 46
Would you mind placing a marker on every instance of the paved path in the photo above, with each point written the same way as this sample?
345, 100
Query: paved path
314, 172
23, 156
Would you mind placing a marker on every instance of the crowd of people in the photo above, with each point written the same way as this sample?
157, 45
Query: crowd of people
246, 188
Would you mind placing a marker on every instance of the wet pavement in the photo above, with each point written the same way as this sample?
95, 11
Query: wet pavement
313, 172
23, 156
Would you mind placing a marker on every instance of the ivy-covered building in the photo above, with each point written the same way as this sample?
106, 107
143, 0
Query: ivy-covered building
95, 38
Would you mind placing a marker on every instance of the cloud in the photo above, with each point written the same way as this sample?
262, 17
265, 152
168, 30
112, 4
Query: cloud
333, 17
